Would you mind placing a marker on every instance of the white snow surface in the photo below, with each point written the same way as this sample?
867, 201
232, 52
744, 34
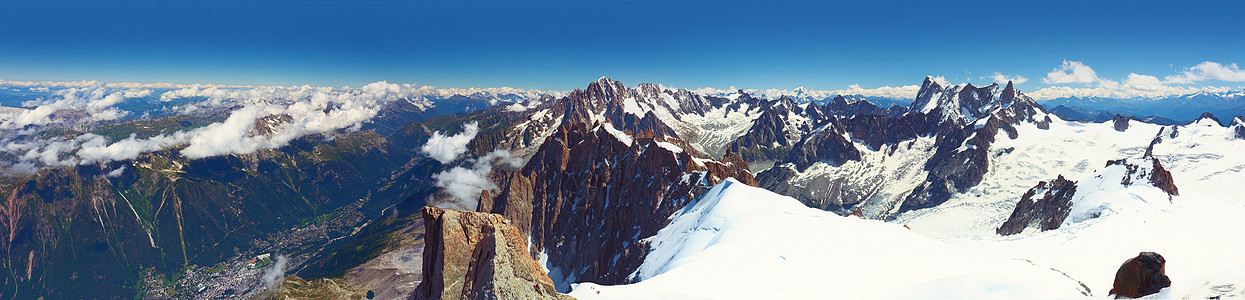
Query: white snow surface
621, 136
742, 242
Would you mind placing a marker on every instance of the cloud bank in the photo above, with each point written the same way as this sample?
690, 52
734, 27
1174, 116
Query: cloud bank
287, 112
1136, 85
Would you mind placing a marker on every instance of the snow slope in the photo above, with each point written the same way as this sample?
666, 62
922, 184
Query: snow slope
742, 242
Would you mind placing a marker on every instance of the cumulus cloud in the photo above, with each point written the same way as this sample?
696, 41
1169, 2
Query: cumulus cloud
1071, 72
1003, 79
1208, 71
94, 102
1143, 82
275, 275
1137, 85
446, 148
465, 184
288, 113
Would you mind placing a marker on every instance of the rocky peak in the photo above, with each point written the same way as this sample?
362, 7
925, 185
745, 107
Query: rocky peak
963, 103
1120, 123
842, 107
606, 89
927, 97
1151, 172
1009, 92
1047, 205
827, 144
1044, 206
474, 255
1238, 127
1205, 118
626, 186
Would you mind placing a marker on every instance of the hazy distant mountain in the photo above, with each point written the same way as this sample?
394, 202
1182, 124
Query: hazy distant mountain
1184, 108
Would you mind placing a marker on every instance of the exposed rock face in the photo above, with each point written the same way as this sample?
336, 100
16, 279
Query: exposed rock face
962, 120
1140, 276
1120, 123
839, 106
768, 132
1238, 127
1047, 211
962, 158
828, 144
878, 130
624, 189
602, 164
472, 255
1208, 116
1155, 175
1055, 198
1162, 179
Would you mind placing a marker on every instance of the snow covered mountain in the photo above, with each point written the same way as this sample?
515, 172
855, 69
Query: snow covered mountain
612, 169
742, 242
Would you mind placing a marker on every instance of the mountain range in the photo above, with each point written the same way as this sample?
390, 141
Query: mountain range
640, 191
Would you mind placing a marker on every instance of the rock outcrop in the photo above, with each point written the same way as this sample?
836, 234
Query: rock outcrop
1044, 206
1054, 199
1153, 174
1120, 123
624, 187
1140, 276
1238, 127
962, 157
473, 255
828, 144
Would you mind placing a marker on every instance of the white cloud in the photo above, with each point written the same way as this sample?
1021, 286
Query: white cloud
1143, 82
446, 148
310, 110
1137, 85
95, 103
1003, 79
275, 275
1071, 72
116, 173
137, 93
1124, 93
1208, 70
465, 184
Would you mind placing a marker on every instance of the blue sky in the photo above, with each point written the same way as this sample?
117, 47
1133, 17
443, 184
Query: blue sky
563, 45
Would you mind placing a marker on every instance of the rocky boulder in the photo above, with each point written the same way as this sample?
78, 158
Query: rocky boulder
473, 255
1140, 276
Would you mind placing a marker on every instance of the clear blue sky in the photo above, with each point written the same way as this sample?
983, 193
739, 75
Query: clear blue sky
563, 45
